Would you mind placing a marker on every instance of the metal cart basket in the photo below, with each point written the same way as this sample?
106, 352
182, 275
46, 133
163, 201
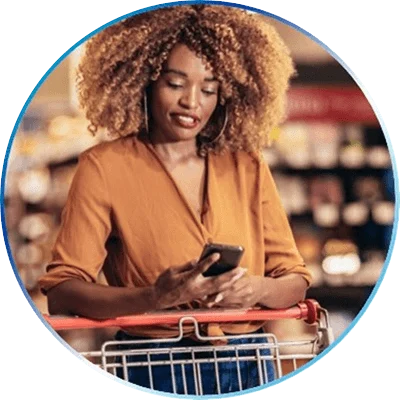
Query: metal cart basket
186, 366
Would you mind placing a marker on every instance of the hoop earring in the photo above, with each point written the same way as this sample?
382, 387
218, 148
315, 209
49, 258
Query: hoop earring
146, 113
221, 132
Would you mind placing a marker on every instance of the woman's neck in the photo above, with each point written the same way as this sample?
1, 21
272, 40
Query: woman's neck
175, 152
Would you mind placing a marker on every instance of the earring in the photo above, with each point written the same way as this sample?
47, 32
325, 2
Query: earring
221, 132
146, 114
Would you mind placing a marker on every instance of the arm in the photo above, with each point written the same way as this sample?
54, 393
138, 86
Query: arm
92, 300
249, 291
175, 286
286, 278
282, 292
80, 249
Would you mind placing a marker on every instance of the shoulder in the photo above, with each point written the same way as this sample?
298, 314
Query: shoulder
241, 161
109, 151
106, 158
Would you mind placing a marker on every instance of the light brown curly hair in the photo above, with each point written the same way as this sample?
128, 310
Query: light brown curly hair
246, 54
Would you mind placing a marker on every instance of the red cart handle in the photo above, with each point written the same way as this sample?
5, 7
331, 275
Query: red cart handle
307, 310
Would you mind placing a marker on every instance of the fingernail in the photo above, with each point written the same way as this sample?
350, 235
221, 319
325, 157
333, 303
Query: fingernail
219, 297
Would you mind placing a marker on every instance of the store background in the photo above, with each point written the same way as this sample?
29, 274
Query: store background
330, 161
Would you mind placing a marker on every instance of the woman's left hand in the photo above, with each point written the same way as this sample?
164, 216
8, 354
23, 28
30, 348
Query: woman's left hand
246, 292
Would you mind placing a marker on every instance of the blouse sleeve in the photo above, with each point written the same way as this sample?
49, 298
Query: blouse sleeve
281, 254
79, 251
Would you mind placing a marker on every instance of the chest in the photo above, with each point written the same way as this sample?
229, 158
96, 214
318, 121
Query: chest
190, 179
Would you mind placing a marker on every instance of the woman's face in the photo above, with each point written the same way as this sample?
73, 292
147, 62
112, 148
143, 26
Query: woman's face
183, 98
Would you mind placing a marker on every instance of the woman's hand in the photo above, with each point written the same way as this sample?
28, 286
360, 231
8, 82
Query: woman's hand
180, 285
245, 292
249, 291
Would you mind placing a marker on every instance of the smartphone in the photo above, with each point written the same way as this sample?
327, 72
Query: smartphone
230, 257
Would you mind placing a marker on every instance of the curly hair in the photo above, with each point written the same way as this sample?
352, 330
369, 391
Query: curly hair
246, 54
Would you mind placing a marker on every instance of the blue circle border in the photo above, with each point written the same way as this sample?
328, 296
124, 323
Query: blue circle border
267, 14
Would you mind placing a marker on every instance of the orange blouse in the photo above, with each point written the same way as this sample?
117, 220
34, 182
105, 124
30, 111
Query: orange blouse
125, 215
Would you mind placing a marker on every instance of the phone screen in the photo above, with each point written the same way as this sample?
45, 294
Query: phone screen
230, 257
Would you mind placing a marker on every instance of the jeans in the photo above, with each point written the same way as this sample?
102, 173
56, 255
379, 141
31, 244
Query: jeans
193, 376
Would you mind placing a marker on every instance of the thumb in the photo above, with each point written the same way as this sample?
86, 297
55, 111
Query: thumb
188, 267
204, 264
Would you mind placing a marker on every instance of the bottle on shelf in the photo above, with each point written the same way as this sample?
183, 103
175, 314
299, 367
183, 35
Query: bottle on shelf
326, 199
352, 153
325, 140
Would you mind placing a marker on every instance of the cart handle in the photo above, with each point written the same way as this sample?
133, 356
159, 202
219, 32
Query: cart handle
307, 310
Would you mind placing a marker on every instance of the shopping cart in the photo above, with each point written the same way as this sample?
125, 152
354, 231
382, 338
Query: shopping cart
187, 367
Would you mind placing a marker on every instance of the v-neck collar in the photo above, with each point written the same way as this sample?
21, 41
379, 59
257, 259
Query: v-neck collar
200, 220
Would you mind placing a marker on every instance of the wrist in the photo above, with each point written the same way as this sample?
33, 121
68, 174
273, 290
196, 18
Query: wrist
263, 292
154, 299
283, 292
266, 291
137, 300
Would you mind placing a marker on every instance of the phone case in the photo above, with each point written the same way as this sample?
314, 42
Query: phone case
230, 257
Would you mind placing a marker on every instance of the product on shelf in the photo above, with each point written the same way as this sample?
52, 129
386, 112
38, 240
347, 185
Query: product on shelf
355, 213
308, 241
347, 264
326, 197
293, 193
324, 189
309, 244
34, 184
383, 212
371, 269
36, 227
340, 257
378, 157
352, 153
368, 189
325, 140
326, 215
352, 156
293, 145
299, 196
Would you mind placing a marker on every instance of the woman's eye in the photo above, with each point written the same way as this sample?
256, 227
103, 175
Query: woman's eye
209, 92
174, 85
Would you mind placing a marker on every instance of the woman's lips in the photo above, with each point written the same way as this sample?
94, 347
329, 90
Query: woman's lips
185, 121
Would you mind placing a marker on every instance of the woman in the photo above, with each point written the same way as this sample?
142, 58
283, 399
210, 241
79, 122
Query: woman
191, 93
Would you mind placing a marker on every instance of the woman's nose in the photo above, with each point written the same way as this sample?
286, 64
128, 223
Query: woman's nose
190, 98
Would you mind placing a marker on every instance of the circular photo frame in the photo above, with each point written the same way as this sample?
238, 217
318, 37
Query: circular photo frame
322, 154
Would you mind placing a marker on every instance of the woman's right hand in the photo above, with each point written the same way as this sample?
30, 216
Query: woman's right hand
183, 284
